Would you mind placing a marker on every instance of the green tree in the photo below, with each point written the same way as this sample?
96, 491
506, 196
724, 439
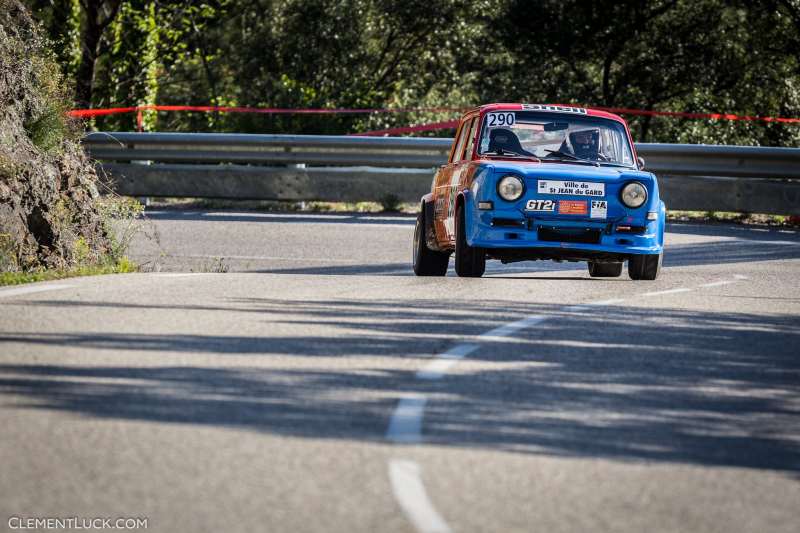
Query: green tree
736, 56
132, 68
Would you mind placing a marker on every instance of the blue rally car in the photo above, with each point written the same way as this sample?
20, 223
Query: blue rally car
530, 181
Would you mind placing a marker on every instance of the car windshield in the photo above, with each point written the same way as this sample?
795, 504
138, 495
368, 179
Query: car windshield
569, 137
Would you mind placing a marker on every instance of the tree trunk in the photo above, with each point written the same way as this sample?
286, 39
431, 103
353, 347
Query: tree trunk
98, 15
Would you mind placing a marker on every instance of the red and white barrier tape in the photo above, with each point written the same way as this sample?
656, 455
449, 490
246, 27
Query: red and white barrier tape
449, 124
88, 113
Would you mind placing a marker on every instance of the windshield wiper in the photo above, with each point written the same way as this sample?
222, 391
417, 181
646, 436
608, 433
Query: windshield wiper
612, 164
502, 152
564, 155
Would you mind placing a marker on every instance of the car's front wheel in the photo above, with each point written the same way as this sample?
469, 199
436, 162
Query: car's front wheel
470, 261
427, 262
605, 270
646, 266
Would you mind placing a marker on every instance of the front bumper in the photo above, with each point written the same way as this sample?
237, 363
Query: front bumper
560, 237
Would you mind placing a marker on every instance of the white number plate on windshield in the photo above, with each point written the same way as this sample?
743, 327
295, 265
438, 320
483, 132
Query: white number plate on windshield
572, 188
497, 120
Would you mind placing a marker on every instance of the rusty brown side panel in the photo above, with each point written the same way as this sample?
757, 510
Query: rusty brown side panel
441, 197
450, 181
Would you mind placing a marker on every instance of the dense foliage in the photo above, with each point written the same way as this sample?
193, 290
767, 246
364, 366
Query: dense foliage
736, 56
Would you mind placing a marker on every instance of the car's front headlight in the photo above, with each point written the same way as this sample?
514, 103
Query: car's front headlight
634, 194
510, 188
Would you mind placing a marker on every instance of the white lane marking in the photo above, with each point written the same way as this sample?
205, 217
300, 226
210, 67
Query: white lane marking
508, 329
718, 283
392, 219
265, 258
17, 291
774, 243
400, 222
740, 277
670, 291
410, 493
405, 426
254, 214
437, 368
602, 303
178, 274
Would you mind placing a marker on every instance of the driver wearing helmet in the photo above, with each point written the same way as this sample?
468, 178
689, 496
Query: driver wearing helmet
585, 143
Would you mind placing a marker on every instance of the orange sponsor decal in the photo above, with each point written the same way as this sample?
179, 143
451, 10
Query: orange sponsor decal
572, 207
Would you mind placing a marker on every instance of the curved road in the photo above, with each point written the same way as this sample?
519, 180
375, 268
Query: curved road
319, 386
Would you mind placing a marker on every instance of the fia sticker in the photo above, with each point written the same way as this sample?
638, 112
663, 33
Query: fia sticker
599, 209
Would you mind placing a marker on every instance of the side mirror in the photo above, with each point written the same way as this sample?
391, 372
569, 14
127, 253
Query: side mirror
640, 160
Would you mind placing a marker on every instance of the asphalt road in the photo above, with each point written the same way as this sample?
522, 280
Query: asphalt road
319, 386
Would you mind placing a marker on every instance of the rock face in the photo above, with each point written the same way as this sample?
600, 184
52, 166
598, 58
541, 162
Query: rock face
48, 188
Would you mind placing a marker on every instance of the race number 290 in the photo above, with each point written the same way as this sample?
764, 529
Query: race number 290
495, 120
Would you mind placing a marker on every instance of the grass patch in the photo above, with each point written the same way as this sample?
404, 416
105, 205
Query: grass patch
48, 130
123, 266
120, 218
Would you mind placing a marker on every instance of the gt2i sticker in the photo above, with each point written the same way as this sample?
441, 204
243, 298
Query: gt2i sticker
572, 207
556, 108
572, 188
541, 205
500, 120
599, 209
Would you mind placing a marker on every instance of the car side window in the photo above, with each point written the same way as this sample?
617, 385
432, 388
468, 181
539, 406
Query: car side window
462, 137
473, 131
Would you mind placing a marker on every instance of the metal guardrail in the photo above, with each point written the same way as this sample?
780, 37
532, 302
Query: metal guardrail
349, 168
323, 150
721, 161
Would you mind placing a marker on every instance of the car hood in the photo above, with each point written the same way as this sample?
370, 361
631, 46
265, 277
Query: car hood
566, 171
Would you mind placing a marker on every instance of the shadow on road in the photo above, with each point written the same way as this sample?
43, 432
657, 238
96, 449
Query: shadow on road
629, 384
734, 244
706, 253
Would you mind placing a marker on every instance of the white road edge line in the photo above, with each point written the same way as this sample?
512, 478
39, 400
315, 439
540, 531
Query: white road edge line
670, 291
501, 333
602, 303
410, 493
718, 283
178, 274
443, 362
405, 426
264, 258
18, 291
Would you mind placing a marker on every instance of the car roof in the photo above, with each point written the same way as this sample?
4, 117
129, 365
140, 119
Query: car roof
555, 108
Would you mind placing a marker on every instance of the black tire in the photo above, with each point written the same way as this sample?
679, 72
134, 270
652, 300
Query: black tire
470, 261
644, 267
426, 261
605, 270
